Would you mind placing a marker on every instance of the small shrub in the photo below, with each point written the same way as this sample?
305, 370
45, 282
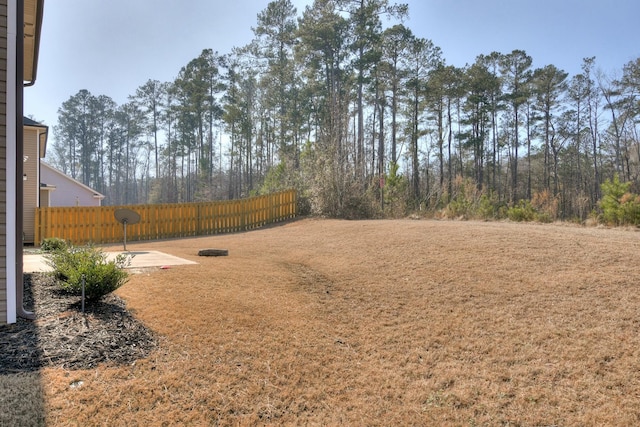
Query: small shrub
51, 244
486, 208
612, 193
395, 192
70, 264
458, 208
619, 206
544, 217
631, 209
523, 211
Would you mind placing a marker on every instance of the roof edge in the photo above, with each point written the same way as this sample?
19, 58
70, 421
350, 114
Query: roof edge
96, 194
36, 42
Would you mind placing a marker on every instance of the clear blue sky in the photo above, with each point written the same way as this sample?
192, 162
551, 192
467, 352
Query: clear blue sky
111, 47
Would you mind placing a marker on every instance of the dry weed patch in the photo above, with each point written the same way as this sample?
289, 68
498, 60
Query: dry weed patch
379, 323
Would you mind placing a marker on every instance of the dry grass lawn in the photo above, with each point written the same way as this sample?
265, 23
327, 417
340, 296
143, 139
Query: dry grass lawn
326, 322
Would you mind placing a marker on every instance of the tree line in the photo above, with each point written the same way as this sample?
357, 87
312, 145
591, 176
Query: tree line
364, 118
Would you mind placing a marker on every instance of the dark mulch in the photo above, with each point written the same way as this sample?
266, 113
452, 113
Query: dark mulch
61, 335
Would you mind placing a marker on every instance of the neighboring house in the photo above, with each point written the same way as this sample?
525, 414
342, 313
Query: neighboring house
58, 189
43, 185
35, 146
20, 29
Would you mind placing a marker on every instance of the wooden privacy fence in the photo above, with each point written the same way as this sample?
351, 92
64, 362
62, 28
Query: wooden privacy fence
81, 225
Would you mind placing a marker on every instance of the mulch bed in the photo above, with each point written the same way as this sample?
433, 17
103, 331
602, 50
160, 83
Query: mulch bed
63, 336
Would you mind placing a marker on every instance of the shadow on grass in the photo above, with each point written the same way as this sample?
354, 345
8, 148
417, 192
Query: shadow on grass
62, 337
21, 391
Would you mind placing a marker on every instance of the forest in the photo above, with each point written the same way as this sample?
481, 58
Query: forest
344, 103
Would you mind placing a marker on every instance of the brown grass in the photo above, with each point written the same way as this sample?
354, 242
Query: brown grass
379, 323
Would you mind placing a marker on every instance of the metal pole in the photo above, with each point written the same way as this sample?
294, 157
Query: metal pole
125, 234
83, 284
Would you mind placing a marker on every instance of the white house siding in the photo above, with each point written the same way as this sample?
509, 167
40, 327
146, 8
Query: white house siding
68, 192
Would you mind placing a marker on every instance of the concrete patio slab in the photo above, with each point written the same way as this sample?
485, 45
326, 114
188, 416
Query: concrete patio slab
35, 262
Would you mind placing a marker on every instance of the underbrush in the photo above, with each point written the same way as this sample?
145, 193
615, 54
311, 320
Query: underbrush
469, 202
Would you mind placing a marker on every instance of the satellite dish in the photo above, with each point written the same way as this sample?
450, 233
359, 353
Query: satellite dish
126, 217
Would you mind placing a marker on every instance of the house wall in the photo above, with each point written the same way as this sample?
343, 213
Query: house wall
68, 192
31, 185
44, 198
3, 162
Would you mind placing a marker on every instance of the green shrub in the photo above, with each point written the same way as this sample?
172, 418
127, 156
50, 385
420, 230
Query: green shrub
53, 244
101, 276
396, 192
487, 208
523, 211
544, 217
619, 206
631, 209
